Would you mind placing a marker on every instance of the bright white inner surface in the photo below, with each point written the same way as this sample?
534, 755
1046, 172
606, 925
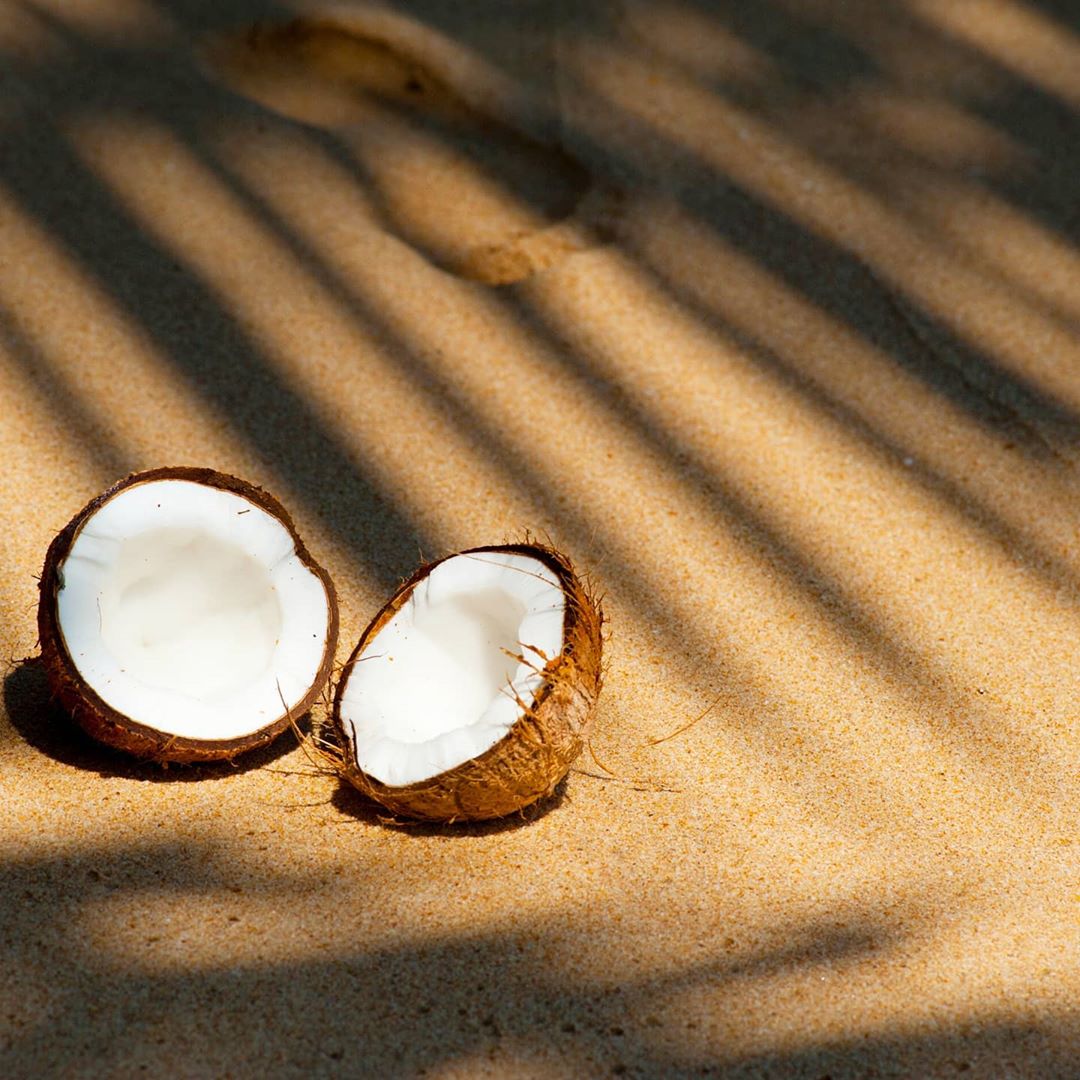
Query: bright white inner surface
436, 687
186, 608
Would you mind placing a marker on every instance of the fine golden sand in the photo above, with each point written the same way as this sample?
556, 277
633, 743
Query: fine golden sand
767, 314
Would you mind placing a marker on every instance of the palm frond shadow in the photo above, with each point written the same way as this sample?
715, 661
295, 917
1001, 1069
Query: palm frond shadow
451, 998
403, 1007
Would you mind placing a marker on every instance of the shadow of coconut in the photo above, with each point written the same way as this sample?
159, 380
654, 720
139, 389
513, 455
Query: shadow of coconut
348, 800
474, 195
36, 717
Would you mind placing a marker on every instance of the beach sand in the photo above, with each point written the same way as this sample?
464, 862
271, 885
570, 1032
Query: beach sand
767, 315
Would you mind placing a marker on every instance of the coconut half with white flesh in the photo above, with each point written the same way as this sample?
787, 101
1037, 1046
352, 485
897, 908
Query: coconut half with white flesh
182, 618
470, 694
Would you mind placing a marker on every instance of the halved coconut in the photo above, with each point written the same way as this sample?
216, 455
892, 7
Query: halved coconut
470, 693
181, 617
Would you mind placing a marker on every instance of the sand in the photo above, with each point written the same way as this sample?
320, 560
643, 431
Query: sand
767, 314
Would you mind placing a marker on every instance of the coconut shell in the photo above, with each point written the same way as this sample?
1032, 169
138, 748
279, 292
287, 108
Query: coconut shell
528, 763
99, 719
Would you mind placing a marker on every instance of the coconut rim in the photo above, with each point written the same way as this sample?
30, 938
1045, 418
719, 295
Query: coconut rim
575, 591
58, 660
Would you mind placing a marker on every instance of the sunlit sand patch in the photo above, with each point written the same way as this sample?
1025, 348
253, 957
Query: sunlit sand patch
1016, 35
819, 348
479, 197
935, 130
129, 21
681, 117
699, 43
74, 323
982, 230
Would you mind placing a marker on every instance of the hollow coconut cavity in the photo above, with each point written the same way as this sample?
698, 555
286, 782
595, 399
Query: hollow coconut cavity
182, 618
469, 695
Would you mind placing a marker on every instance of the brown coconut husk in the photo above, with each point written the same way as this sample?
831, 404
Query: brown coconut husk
528, 763
99, 719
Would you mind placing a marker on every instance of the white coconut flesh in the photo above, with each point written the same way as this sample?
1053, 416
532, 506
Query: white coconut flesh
187, 609
439, 684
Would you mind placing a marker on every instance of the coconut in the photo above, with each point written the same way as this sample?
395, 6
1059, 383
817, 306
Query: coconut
470, 693
182, 618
